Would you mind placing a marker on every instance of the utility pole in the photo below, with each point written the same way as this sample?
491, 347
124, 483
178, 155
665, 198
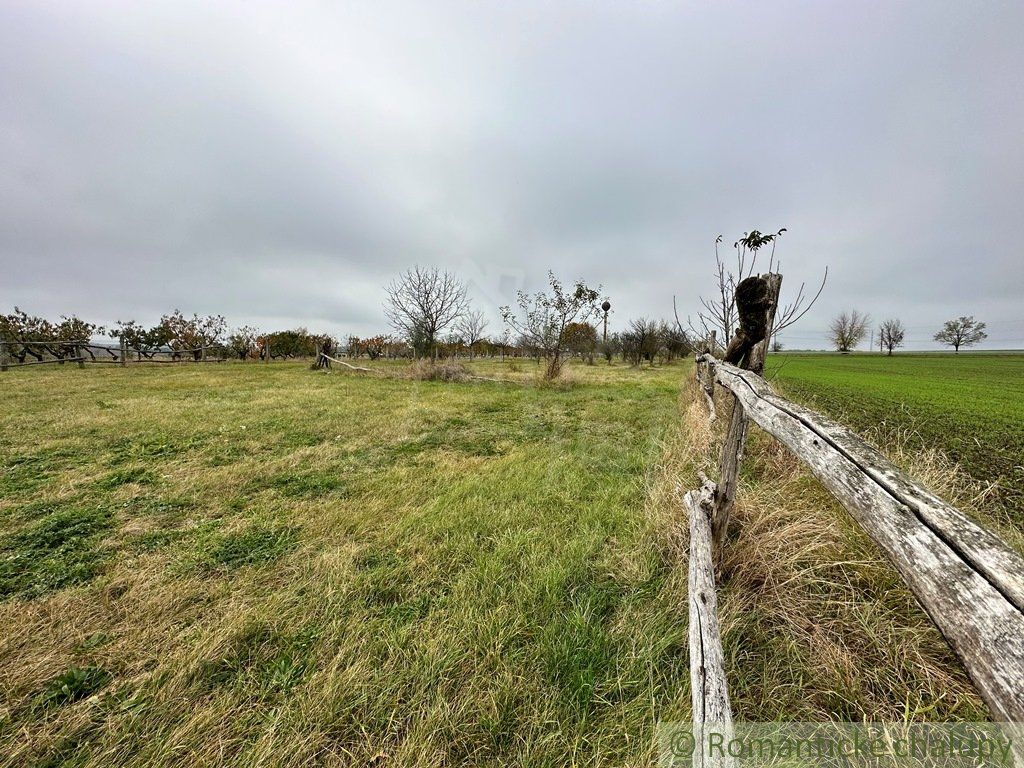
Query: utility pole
606, 306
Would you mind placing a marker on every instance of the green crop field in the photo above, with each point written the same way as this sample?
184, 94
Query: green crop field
266, 565
970, 406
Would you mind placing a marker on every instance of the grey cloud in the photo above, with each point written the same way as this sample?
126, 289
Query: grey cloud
279, 164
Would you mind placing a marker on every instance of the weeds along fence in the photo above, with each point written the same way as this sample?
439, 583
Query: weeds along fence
969, 582
23, 353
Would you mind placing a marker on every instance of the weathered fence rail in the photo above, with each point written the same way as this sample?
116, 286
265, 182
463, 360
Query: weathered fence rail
968, 581
82, 352
966, 578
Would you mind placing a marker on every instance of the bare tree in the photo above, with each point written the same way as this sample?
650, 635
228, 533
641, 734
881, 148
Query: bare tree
848, 329
471, 327
543, 317
422, 302
891, 332
719, 312
610, 347
962, 332
642, 340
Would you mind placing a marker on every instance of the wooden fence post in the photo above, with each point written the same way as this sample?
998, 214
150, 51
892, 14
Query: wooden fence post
709, 692
80, 354
756, 299
3, 355
732, 455
124, 352
757, 357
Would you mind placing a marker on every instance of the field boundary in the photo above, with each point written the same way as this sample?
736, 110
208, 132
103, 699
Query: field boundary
969, 582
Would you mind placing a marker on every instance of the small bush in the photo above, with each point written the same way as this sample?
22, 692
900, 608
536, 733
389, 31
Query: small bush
72, 684
438, 370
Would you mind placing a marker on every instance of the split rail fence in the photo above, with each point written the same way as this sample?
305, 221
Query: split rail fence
21, 353
969, 582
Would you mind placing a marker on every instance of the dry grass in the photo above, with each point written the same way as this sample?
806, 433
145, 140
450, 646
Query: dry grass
285, 568
288, 568
816, 624
437, 370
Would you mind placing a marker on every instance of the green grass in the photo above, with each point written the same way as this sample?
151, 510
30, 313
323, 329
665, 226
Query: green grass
249, 564
295, 567
970, 406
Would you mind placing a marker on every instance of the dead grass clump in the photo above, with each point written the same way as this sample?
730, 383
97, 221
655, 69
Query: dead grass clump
947, 479
564, 381
438, 370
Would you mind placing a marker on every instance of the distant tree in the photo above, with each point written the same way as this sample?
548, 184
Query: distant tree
137, 338
422, 302
848, 330
543, 317
962, 332
375, 346
36, 337
776, 345
675, 341
19, 328
471, 327
581, 339
891, 332
75, 329
503, 343
191, 334
611, 347
288, 344
354, 347
242, 342
641, 341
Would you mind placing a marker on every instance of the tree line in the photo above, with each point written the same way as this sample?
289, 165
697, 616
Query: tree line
30, 337
849, 328
430, 316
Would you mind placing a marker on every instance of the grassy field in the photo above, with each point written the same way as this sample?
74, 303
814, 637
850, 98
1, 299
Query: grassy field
970, 406
265, 565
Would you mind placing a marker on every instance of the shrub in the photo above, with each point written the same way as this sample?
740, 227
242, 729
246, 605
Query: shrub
443, 370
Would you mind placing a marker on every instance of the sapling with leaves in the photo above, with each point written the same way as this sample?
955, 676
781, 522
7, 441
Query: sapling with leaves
543, 317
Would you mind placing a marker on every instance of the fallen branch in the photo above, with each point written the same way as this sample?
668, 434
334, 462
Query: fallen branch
348, 365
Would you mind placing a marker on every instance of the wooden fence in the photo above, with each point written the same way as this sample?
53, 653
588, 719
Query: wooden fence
82, 352
969, 582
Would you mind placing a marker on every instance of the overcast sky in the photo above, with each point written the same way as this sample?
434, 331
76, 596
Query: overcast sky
279, 164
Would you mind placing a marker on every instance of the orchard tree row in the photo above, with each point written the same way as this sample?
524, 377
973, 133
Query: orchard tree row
29, 337
430, 317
